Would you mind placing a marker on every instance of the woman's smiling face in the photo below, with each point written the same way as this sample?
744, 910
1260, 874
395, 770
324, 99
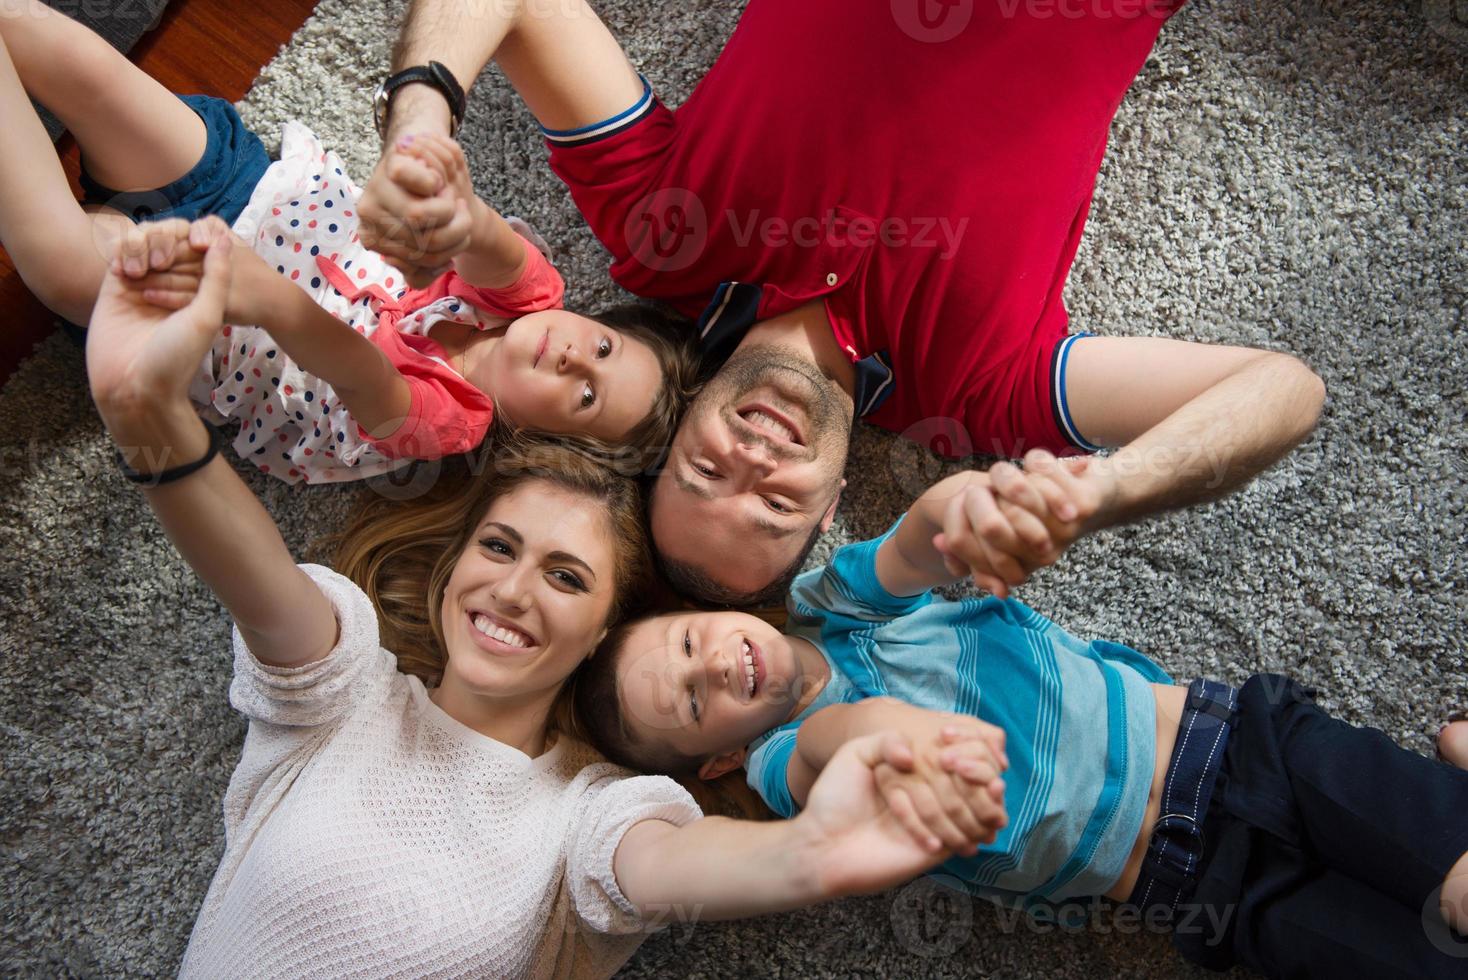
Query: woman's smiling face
530, 595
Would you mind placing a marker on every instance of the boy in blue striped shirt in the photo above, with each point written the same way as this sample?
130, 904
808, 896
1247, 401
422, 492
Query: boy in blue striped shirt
1262, 830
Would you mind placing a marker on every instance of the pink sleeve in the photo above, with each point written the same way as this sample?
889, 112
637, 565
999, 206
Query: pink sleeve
446, 414
540, 287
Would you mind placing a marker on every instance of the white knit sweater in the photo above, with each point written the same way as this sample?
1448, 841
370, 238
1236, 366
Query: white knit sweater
368, 834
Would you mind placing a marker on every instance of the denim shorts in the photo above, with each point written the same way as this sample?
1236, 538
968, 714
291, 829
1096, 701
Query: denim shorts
220, 183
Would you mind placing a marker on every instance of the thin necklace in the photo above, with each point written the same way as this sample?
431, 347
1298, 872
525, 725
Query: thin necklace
464, 361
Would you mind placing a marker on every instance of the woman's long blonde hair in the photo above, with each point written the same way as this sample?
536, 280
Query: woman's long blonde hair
402, 553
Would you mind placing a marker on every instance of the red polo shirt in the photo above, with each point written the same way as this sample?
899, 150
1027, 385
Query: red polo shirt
924, 167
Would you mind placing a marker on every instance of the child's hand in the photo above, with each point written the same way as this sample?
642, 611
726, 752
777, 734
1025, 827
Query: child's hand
174, 265
494, 255
164, 265
1002, 528
410, 214
974, 751
856, 843
431, 180
947, 792
160, 305
444, 158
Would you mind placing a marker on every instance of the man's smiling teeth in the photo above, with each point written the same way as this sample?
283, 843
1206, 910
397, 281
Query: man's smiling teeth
748, 668
504, 634
760, 420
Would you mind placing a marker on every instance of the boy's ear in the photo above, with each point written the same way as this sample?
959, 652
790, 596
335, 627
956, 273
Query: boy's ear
724, 763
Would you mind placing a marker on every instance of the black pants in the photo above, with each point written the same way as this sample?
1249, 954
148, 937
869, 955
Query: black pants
1325, 848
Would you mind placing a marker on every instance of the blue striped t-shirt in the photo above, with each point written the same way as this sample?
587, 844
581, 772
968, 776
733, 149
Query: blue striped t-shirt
1078, 717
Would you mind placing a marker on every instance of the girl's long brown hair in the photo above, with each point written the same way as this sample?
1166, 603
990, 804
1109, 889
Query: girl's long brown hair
402, 553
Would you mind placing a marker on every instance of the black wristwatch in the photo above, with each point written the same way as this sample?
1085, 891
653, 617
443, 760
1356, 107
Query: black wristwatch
433, 74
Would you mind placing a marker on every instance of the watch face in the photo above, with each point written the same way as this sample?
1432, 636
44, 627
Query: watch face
379, 109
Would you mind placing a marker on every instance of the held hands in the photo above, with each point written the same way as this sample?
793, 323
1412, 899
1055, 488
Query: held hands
168, 270
854, 844
416, 210
444, 157
1001, 528
161, 303
854, 841
944, 785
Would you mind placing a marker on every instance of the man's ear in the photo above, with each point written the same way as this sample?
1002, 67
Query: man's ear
830, 514
724, 763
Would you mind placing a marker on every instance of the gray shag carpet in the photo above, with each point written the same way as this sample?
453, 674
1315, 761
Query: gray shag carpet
1288, 175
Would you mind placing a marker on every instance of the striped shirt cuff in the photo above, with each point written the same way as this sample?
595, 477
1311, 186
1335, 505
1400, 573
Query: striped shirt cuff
1058, 397
607, 127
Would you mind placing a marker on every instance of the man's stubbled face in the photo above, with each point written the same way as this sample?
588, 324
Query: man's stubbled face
754, 470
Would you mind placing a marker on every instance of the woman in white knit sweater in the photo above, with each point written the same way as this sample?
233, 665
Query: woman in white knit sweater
379, 827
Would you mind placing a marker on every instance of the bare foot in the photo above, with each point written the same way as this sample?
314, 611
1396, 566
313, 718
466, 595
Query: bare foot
1452, 744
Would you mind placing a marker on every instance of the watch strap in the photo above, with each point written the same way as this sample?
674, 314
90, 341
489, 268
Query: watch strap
433, 74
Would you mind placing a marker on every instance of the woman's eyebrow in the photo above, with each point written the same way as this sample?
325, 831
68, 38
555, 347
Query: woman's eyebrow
560, 556
508, 532
570, 559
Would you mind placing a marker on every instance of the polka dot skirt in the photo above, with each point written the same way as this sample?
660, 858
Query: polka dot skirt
292, 425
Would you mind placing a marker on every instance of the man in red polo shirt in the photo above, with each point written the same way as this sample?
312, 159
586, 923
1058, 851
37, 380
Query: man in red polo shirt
898, 257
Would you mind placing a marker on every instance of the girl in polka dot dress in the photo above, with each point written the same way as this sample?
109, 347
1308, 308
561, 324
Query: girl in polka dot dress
334, 367
488, 337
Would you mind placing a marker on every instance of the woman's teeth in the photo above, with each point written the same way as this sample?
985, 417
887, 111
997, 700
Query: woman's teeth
504, 634
748, 669
760, 420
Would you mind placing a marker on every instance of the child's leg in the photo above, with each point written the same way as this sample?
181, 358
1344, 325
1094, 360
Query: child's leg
1453, 903
1452, 746
47, 234
1334, 925
1336, 849
1373, 810
134, 134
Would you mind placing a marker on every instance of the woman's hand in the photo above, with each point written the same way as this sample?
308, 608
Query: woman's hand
258, 294
149, 334
948, 792
852, 841
140, 358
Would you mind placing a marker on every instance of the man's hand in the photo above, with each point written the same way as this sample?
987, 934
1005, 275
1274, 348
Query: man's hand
410, 212
1004, 528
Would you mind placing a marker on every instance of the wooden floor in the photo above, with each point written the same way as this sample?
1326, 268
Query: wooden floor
211, 47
